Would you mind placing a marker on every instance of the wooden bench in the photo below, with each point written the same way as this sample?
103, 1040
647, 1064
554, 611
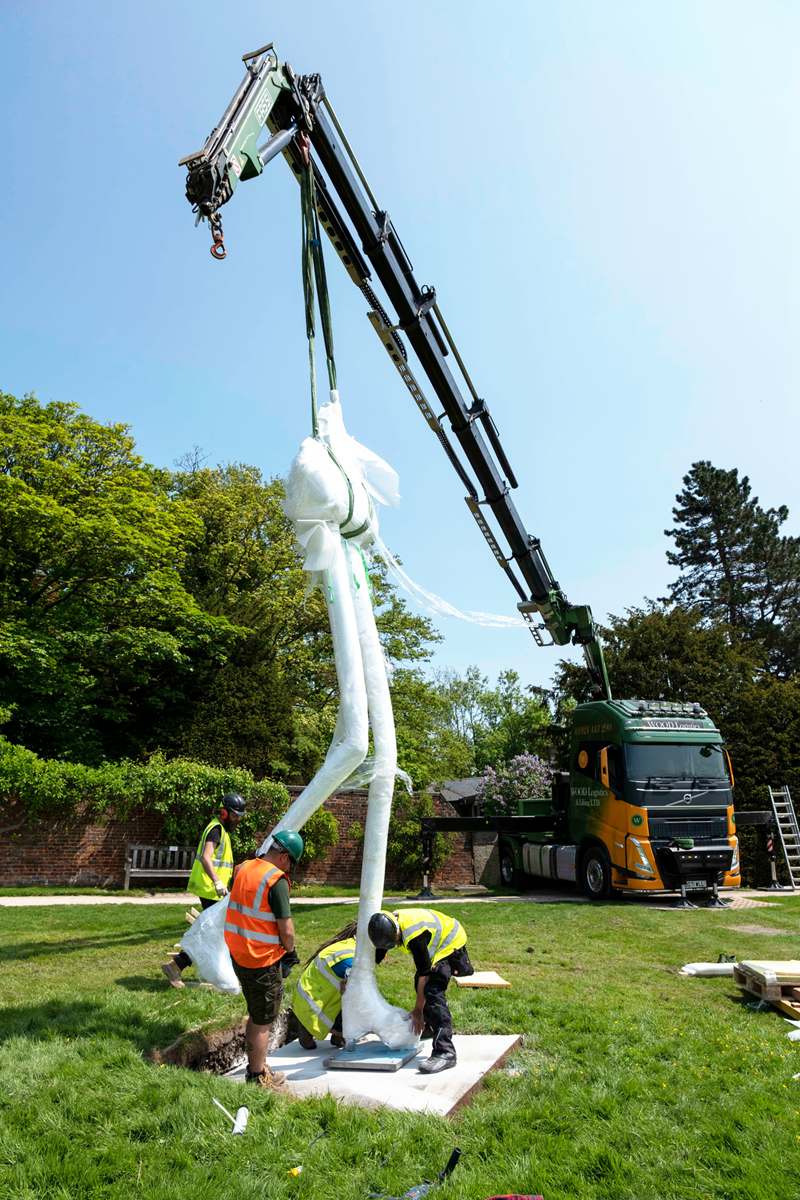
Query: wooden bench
162, 862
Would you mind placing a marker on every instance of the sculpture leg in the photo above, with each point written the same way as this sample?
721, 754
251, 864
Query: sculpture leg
364, 1009
351, 735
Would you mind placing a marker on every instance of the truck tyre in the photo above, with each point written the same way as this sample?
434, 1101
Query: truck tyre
595, 873
509, 875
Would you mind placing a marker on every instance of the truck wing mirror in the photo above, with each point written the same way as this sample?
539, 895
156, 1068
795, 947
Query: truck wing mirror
730, 766
604, 776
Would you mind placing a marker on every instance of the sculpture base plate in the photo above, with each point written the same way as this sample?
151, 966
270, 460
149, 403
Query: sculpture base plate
371, 1055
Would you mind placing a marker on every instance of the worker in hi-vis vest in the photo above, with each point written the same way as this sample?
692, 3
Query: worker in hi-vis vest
317, 997
211, 870
259, 933
438, 945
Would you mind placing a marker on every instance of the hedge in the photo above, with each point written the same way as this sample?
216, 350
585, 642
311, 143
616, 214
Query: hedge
183, 791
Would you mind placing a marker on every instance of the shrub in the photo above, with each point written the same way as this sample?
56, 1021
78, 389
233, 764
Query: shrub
523, 778
404, 850
184, 792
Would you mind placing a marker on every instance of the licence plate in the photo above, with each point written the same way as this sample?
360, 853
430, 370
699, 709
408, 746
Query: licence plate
696, 885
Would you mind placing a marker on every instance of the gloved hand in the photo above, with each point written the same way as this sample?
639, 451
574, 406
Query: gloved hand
219, 888
288, 961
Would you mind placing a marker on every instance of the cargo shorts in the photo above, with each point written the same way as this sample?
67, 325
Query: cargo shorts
262, 988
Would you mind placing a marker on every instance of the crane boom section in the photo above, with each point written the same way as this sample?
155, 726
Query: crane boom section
273, 98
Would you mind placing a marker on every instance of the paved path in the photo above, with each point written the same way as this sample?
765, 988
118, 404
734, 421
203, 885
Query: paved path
740, 899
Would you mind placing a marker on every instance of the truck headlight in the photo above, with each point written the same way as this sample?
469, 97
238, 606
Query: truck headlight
643, 865
734, 867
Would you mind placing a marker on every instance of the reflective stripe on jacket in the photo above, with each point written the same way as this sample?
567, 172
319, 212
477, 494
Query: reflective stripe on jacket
447, 934
251, 928
317, 997
200, 884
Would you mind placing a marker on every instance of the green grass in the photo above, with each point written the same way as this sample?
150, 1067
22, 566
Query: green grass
634, 1084
310, 890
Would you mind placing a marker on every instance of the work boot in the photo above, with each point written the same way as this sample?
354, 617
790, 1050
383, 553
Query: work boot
173, 973
306, 1040
437, 1063
266, 1079
337, 1040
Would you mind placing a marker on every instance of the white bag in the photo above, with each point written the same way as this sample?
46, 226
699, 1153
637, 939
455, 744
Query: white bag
205, 944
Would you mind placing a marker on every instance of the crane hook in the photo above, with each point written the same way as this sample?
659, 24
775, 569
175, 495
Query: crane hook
218, 250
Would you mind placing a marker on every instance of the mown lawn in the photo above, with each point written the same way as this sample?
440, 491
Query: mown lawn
633, 1084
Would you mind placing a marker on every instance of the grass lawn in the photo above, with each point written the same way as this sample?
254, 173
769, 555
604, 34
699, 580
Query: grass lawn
634, 1084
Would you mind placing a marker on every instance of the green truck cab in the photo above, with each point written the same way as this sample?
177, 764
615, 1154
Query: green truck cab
645, 806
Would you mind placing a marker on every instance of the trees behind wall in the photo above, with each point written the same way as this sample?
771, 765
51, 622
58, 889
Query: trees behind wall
147, 611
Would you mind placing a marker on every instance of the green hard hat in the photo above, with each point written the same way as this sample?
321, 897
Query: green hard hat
290, 841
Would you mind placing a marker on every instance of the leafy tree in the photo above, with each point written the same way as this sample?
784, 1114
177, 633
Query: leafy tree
428, 747
661, 653
498, 722
272, 704
735, 565
101, 644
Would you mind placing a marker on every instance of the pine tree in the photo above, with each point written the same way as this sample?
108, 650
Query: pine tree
735, 565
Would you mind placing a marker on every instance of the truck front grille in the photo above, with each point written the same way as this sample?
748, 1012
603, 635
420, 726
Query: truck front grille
702, 829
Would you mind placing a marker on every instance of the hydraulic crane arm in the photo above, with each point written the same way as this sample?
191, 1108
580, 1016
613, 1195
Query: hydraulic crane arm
273, 99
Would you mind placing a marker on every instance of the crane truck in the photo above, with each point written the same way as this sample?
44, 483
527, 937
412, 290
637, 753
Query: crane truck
646, 804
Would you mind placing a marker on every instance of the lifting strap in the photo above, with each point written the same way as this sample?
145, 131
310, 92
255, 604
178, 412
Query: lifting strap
314, 268
313, 261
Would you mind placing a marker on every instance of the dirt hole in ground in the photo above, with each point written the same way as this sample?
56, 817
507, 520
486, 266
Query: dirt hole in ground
215, 1050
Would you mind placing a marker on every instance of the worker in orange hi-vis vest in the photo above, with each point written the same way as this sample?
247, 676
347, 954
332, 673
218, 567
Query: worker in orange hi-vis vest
259, 933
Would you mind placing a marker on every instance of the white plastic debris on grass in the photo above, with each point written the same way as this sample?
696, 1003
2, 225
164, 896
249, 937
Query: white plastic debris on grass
707, 970
331, 492
204, 942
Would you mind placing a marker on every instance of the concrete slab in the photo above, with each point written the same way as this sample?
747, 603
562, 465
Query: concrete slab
306, 1076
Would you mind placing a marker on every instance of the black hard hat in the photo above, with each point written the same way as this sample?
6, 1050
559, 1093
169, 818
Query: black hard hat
382, 930
234, 803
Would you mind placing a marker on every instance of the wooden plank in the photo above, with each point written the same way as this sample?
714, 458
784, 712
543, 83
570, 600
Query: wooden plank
481, 979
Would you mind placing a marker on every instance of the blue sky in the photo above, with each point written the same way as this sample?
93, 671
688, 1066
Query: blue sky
605, 196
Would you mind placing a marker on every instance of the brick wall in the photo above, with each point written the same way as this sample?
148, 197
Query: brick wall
82, 854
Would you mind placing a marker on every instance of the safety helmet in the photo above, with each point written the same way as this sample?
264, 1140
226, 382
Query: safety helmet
382, 930
290, 841
234, 803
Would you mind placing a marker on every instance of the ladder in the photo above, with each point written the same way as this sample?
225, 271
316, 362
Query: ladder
788, 831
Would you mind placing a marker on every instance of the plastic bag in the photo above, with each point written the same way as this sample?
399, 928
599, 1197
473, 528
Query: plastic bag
205, 944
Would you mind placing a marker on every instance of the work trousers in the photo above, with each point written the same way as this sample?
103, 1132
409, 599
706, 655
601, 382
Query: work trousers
181, 959
436, 1011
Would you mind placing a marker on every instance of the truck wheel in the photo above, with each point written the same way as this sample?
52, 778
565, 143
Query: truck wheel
509, 875
595, 873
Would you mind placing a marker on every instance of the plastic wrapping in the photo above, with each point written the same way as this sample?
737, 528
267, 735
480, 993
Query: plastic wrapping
330, 491
204, 942
708, 970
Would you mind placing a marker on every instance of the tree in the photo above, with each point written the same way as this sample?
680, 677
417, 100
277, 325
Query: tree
101, 644
661, 653
735, 565
498, 722
271, 706
428, 747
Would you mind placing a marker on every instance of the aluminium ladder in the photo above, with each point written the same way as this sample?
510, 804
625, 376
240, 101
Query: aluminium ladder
788, 831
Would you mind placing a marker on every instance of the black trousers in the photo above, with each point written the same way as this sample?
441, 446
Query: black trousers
436, 1011
181, 959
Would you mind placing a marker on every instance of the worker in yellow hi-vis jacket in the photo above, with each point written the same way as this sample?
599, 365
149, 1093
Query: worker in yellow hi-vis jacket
211, 870
438, 945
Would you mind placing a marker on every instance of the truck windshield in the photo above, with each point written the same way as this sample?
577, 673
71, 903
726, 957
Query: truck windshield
686, 762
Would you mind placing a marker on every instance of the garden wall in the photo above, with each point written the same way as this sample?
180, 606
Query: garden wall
74, 852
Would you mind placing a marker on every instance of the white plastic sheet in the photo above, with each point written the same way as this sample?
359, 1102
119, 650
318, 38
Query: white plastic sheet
708, 970
322, 507
204, 942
